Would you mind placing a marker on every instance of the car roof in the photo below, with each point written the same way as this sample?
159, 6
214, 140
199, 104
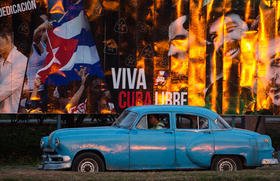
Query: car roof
174, 108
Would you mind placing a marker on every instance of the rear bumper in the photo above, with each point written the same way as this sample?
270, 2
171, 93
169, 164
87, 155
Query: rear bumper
271, 161
55, 162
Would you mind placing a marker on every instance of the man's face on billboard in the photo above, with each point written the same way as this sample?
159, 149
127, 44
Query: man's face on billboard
226, 33
178, 38
274, 81
271, 59
5, 46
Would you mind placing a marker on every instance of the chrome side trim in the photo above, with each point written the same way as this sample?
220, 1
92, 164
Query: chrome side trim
200, 130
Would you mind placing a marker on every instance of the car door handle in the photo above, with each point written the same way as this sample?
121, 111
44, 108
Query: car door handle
207, 132
168, 132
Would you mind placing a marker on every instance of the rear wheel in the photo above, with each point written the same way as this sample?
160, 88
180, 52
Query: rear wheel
226, 164
88, 162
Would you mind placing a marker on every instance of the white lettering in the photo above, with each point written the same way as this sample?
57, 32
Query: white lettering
4, 11
125, 75
176, 98
172, 98
156, 98
14, 9
23, 8
183, 98
18, 8
11, 10
116, 80
28, 4
131, 80
141, 80
8, 11
168, 98
123, 78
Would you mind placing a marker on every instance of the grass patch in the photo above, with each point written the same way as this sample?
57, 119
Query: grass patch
30, 173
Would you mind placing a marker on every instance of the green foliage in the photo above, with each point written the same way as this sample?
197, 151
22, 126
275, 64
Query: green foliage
20, 143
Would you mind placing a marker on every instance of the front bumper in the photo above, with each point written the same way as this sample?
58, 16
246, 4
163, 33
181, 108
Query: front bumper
271, 161
55, 162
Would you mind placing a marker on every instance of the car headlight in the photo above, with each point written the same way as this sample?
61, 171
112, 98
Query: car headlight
42, 143
57, 142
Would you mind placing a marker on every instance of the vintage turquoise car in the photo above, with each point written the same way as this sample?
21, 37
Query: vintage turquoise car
157, 137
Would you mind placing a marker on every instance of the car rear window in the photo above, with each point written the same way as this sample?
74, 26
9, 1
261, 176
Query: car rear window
185, 121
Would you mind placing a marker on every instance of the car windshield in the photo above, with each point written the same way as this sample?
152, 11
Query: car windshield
125, 120
221, 123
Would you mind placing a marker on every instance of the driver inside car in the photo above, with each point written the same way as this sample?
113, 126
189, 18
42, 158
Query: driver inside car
156, 124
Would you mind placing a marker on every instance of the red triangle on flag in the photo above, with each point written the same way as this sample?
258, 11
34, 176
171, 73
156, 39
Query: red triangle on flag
60, 51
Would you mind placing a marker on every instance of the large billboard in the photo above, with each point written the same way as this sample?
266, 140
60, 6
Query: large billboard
102, 56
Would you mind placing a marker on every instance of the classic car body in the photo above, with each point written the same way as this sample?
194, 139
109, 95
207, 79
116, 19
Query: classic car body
193, 137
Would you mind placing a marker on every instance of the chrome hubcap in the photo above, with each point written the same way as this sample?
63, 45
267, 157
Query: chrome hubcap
226, 165
87, 166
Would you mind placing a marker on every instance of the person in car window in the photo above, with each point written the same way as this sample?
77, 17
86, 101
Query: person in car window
156, 124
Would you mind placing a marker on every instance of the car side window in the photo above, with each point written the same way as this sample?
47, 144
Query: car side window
203, 123
142, 124
185, 121
154, 121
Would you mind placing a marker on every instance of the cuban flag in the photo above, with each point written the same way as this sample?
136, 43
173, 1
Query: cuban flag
70, 45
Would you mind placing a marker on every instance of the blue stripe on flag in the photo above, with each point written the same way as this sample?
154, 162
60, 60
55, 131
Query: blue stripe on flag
85, 38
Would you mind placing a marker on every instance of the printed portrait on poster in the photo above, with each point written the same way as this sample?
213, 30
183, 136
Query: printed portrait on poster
14, 49
95, 57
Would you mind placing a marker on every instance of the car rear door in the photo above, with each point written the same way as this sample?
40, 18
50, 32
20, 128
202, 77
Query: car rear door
194, 141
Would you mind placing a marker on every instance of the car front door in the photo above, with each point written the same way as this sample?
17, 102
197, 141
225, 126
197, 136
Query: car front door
152, 142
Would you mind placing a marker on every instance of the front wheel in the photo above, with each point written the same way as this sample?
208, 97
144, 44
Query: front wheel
226, 164
88, 162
